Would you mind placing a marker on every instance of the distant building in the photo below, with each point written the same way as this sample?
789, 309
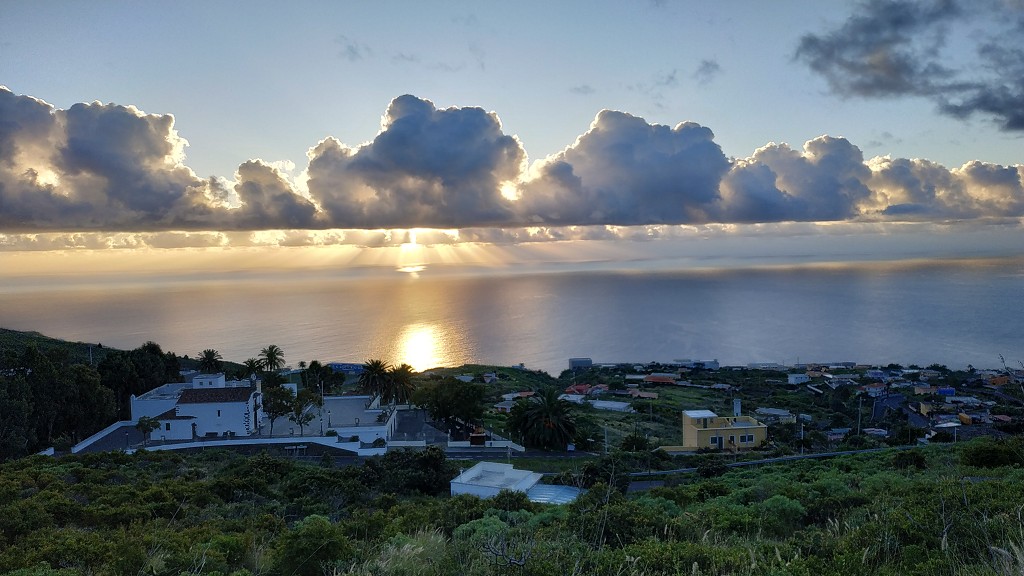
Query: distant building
775, 415
798, 378
346, 367
580, 363
705, 429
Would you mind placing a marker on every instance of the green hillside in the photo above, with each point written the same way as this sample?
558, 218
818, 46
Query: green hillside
936, 510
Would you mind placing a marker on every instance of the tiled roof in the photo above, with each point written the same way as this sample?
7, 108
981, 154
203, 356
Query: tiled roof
171, 415
214, 395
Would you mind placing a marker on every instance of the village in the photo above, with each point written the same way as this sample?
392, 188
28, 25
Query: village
683, 407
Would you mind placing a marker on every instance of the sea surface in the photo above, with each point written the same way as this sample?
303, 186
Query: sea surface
948, 312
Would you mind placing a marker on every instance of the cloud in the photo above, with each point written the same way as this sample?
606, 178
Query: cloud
426, 168
707, 71
93, 166
266, 196
352, 50
122, 173
625, 171
894, 48
582, 89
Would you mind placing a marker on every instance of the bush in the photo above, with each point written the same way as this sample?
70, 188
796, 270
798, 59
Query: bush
909, 458
990, 453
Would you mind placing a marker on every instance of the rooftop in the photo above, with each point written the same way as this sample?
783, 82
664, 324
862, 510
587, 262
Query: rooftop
208, 395
497, 475
700, 414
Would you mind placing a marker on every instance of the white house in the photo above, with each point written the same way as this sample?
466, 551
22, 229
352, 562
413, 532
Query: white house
798, 378
487, 479
209, 406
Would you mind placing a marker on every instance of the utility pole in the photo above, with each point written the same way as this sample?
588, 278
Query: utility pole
860, 409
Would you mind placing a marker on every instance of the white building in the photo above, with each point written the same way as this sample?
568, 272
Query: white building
487, 479
209, 406
798, 378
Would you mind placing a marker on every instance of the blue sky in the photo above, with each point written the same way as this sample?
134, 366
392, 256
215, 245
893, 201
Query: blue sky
281, 107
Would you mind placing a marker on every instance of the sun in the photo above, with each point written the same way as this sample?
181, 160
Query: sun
510, 191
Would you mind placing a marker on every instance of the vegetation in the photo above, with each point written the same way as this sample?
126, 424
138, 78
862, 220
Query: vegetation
272, 358
544, 420
210, 361
221, 513
453, 403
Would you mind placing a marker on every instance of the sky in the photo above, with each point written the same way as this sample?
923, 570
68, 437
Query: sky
611, 130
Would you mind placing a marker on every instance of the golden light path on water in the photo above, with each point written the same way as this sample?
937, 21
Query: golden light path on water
425, 346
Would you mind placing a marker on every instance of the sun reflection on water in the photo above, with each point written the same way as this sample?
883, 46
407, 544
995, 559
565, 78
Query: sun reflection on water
424, 346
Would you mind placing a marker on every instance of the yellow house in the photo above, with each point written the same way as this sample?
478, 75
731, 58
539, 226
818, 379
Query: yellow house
705, 429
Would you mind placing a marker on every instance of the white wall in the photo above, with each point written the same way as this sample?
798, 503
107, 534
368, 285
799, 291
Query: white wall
179, 430
231, 417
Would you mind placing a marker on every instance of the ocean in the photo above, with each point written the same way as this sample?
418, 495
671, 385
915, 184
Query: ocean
948, 312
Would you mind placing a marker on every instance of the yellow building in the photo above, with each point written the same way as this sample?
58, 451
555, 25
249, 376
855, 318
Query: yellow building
705, 429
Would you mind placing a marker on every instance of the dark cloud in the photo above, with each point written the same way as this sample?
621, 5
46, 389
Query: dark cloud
266, 196
893, 48
707, 71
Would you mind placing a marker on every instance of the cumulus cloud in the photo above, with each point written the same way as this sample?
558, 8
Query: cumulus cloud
891, 48
625, 171
120, 172
426, 168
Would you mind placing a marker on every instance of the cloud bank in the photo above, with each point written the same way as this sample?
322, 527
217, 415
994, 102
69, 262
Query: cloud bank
114, 168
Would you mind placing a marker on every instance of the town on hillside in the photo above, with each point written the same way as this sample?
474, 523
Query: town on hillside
682, 407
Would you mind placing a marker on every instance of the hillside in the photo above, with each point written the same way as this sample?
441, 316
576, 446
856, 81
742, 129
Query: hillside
935, 510
13, 341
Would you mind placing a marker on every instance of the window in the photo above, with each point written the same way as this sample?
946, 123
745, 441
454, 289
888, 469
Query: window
218, 413
167, 425
746, 438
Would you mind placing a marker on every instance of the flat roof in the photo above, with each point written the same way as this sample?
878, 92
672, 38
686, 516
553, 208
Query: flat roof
495, 475
700, 413
553, 494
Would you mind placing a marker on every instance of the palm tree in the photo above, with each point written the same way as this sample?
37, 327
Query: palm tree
544, 420
209, 361
272, 358
400, 384
252, 367
374, 378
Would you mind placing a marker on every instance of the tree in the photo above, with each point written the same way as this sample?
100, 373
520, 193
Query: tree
277, 402
374, 377
252, 367
544, 420
316, 374
272, 358
210, 361
300, 408
451, 401
146, 425
17, 437
400, 385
